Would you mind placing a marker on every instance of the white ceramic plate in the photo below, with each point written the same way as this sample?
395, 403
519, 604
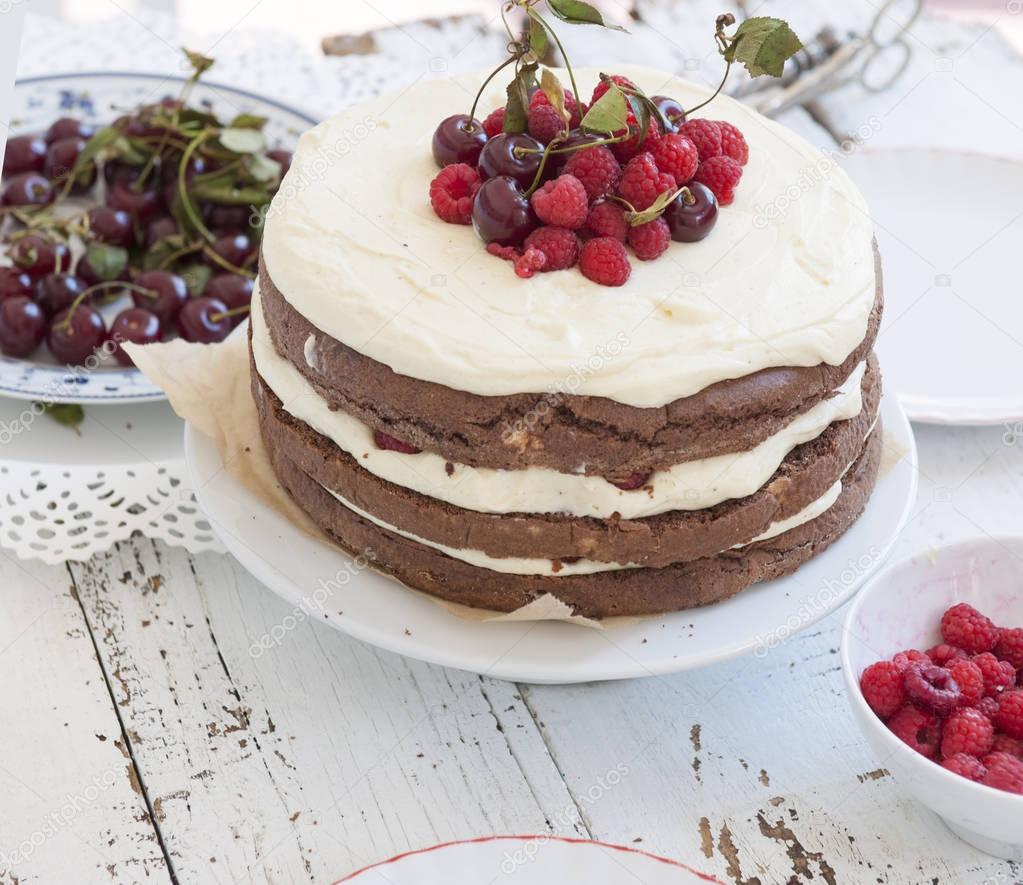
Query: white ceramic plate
536, 860
381, 612
98, 98
950, 230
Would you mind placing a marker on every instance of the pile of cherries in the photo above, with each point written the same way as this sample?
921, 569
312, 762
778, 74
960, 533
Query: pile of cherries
117, 241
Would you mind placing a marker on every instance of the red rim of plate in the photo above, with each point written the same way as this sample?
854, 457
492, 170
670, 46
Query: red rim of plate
539, 838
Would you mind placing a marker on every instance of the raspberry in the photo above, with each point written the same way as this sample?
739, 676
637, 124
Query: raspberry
508, 253
911, 656
998, 675
602, 87
721, 175
988, 706
561, 202
964, 626
597, 169
607, 219
651, 239
494, 124
1005, 744
676, 155
392, 444
969, 767
529, 262
882, 688
559, 245
544, 122
943, 654
970, 679
1009, 717
705, 134
733, 143
932, 687
540, 99
917, 728
967, 731
642, 181
1004, 772
1010, 646
605, 261
452, 192
626, 150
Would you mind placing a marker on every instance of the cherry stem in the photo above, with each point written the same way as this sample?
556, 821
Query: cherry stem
543, 162
721, 85
102, 287
572, 148
533, 14
479, 94
216, 258
233, 312
186, 202
180, 253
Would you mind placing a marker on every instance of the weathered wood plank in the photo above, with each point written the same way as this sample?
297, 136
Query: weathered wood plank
72, 809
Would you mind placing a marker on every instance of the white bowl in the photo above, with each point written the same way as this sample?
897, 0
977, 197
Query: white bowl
900, 608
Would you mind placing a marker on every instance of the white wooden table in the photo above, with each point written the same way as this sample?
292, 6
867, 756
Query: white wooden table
142, 741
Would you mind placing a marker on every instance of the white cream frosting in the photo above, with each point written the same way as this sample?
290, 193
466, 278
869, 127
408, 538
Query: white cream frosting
352, 242
688, 486
521, 565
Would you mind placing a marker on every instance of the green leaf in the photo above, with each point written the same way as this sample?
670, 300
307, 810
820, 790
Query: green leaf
242, 141
538, 41
641, 112
263, 168
609, 113
763, 44
107, 262
200, 63
517, 107
94, 147
654, 210
248, 121
68, 414
555, 92
196, 276
130, 151
576, 12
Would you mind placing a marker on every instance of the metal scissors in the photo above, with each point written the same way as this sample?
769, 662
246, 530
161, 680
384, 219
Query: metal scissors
875, 60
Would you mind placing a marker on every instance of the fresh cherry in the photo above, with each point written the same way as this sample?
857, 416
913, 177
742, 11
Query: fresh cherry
75, 333
501, 212
14, 283
230, 288
68, 127
57, 291
38, 255
671, 110
204, 321
142, 203
171, 294
692, 220
235, 249
134, 325
27, 189
196, 166
22, 326
61, 159
159, 229
458, 140
25, 153
226, 219
111, 226
511, 153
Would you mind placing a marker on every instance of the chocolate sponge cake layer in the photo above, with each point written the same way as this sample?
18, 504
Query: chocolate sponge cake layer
634, 591
564, 432
806, 474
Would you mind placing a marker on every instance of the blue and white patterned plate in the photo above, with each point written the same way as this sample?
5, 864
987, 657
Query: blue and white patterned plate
100, 97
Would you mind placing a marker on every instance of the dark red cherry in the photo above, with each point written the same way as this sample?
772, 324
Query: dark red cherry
501, 213
170, 290
235, 249
25, 153
27, 189
57, 291
671, 110
232, 289
61, 157
143, 203
22, 326
159, 229
691, 220
635, 481
514, 154
284, 158
225, 219
458, 140
15, 283
204, 321
134, 325
75, 333
69, 127
111, 226
38, 255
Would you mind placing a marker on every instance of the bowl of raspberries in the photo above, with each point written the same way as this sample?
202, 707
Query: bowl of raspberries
933, 659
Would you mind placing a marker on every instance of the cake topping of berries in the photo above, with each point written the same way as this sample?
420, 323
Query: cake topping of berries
705, 135
605, 261
494, 123
677, 155
642, 182
597, 169
452, 193
649, 240
733, 143
529, 262
607, 219
721, 175
559, 244
562, 202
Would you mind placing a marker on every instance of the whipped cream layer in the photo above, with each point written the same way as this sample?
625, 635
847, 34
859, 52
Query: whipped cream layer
353, 244
691, 485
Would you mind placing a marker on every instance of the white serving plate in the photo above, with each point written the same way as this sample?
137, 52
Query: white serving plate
536, 860
950, 229
381, 612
